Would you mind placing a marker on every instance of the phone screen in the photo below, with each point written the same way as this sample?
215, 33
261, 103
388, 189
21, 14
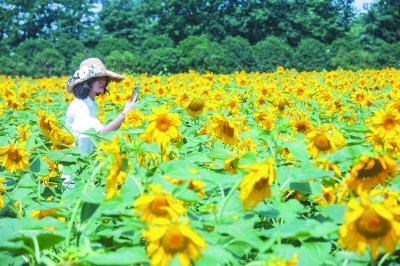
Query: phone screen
135, 91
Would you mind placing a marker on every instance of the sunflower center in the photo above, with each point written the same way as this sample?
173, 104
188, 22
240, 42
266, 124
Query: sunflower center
232, 104
163, 123
282, 105
228, 130
261, 101
196, 105
372, 172
322, 142
389, 123
157, 205
261, 184
360, 97
371, 225
173, 241
14, 155
301, 128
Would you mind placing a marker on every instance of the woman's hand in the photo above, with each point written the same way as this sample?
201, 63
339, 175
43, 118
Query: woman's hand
130, 105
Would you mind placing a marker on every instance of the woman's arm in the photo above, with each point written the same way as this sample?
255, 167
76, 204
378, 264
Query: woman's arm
116, 123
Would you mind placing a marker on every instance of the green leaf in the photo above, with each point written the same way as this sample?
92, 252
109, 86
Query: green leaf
298, 149
216, 255
357, 128
95, 195
335, 212
219, 154
179, 169
55, 156
128, 256
70, 159
39, 167
88, 209
252, 133
182, 192
288, 210
26, 182
313, 188
314, 253
133, 131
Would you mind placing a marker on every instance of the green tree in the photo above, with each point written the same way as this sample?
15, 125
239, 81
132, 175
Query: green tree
311, 55
382, 23
389, 55
271, 53
28, 49
24, 20
126, 19
238, 53
124, 62
107, 45
193, 50
47, 63
162, 60
216, 59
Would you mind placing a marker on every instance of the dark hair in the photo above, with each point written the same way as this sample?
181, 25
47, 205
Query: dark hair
81, 90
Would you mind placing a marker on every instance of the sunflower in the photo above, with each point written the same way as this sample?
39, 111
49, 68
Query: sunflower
370, 222
328, 197
2, 188
40, 214
48, 125
264, 119
167, 240
360, 97
13, 157
225, 128
232, 103
23, 132
301, 123
195, 107
342, 192
325, 164
320, 141
158, 204
386, 122
281, 261
134, 119
163, 126
255, 186
370, 171
194, 184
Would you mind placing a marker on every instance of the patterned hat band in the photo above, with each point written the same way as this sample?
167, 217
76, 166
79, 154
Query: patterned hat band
90, 68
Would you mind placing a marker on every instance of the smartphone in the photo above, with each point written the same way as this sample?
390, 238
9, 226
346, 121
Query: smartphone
135, 91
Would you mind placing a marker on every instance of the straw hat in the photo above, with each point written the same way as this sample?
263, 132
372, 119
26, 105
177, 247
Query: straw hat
90, 68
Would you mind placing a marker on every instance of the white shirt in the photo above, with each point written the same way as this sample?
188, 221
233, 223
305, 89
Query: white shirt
81, 116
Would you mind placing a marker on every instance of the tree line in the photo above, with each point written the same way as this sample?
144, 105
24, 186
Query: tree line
51, 37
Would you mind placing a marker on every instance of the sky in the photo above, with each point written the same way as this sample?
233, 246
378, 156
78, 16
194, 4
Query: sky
359, 4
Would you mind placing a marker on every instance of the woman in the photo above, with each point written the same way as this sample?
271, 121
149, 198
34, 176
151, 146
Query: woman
90, 80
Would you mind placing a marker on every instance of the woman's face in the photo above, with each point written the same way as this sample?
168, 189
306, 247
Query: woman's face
99, 85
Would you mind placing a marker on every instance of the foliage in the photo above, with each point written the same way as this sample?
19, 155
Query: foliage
108, 45
162, 60
218, 36
311, 55
389, 55
117, 205
271, 53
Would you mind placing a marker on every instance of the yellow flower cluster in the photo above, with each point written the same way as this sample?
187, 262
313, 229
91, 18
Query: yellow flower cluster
167, 235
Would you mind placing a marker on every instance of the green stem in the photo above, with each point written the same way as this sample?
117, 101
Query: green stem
78, 205
233, 189
41, 142
37, 250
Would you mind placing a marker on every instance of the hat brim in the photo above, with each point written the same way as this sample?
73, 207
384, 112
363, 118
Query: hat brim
112, 77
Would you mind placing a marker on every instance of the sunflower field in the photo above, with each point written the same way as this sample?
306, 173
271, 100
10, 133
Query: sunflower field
283, 168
